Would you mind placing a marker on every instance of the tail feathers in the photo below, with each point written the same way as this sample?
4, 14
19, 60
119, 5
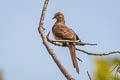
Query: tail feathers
73, 56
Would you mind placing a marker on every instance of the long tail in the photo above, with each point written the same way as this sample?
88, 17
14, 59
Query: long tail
73, 56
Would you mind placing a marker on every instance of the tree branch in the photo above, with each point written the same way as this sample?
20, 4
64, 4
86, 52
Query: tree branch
89, 76
98, 54
49, 49
64, 41
57, 42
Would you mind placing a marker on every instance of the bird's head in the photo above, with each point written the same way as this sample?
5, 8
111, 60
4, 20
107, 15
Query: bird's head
59, 16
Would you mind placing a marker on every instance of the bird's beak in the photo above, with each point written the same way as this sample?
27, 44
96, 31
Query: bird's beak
53, 17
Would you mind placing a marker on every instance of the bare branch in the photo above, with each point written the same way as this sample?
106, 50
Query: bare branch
114, 67
89, 76
77, 42
59, 42
79, 59
97, 54
45, 42
62, 41
117, 71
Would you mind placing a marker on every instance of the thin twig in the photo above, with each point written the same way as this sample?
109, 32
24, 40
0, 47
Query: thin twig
117, 71
62, 41
79, 59
50, 50
114, 67
88, 53
77, 42
56, 42
89, 76
98, 54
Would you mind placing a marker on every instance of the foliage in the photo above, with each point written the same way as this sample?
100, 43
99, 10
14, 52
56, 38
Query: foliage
108, 69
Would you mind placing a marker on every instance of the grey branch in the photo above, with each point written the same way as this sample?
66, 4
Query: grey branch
57, 42
114, 68
89, 76
99, 54
49, 49
77, 42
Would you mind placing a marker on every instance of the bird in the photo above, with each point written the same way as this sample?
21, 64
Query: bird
62, 32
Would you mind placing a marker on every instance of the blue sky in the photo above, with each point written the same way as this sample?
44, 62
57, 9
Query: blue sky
24, 57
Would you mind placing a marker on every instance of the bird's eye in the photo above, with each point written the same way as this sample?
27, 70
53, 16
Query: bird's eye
57, 15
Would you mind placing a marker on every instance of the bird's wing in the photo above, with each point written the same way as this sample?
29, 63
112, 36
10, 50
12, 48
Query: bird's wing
77, 38
63, 32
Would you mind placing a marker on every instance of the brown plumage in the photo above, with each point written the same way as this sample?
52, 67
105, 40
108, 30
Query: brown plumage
62, 32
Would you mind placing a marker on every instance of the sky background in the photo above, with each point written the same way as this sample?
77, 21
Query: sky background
24, 57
